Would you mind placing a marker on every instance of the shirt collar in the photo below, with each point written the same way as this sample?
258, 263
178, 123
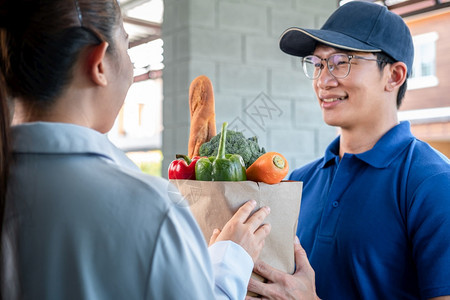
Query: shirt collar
383, 153
332, 153
61, 138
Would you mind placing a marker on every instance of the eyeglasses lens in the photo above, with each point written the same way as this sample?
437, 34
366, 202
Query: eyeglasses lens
338, 65
312, 66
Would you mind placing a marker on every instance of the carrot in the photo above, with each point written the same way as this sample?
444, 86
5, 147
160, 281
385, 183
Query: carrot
271, 168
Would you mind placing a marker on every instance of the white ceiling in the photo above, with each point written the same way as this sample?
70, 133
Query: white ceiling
142, 19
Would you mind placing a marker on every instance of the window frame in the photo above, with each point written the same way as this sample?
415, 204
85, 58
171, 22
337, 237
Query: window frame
418, 82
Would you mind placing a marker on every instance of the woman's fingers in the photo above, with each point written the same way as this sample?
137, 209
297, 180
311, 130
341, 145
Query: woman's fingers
263, 231
255, 220
244, 211
244, 230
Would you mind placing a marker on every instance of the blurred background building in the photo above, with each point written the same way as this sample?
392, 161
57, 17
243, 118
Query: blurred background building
427, 101
138, 128
258, 89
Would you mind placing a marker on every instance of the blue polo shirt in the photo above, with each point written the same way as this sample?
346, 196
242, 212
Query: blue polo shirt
376, 225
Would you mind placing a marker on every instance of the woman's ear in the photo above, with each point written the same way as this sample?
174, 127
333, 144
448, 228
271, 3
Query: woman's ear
96, 64
397, 76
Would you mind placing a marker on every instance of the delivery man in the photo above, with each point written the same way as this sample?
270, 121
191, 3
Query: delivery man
375, 213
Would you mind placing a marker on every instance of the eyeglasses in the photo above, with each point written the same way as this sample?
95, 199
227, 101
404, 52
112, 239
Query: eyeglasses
338, 65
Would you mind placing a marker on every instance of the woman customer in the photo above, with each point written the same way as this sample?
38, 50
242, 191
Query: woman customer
79, 221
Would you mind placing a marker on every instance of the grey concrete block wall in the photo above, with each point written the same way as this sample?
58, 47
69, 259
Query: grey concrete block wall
258, 89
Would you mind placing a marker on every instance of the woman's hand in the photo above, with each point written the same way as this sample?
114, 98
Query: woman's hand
280, 285
244, 230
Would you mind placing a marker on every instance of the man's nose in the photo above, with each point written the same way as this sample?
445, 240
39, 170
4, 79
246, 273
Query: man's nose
326, 79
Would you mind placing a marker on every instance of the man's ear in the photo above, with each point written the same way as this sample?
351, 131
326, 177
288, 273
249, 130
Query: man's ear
397, 75
96, 64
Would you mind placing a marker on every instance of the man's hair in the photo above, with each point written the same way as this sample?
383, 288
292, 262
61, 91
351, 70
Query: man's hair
384, 60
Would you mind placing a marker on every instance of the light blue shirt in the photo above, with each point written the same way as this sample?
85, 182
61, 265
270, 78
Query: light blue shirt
90, 225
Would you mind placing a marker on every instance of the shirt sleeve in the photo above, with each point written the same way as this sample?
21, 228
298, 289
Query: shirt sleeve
182, 267
428, 226
232, 267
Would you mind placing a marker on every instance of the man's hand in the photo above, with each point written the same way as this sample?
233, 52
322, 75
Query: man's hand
280, 285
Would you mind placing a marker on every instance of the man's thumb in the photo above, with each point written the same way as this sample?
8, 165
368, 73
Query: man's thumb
214, 236
301, 259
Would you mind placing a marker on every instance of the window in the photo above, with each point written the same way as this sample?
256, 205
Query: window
424, 67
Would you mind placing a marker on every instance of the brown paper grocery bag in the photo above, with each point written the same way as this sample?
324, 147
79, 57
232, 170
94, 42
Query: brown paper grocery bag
213, 203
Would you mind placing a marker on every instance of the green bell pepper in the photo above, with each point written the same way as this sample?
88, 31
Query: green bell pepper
223, 167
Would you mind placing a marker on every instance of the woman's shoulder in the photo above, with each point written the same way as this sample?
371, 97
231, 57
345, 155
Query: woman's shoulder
134, 188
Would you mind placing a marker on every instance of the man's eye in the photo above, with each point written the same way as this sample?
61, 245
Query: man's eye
340, 60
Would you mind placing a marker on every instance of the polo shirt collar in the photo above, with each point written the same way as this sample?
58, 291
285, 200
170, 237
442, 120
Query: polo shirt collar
332, 153
383, 153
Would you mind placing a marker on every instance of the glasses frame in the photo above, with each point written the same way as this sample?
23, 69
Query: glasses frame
330, 69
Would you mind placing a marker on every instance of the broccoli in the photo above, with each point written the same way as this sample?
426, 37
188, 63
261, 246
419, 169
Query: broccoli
236, 144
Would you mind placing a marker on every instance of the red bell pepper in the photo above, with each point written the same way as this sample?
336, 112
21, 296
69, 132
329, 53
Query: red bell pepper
183, 167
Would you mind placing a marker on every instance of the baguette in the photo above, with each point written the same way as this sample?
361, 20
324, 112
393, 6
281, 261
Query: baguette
203, 118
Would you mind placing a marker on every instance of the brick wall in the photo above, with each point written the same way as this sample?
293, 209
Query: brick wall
258, 89
437, 96
437, 131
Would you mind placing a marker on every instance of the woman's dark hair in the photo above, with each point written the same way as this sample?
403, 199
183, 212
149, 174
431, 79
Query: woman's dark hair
4, 147
40, 42
384, 60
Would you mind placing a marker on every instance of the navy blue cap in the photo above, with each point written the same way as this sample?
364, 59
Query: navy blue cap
355, 26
